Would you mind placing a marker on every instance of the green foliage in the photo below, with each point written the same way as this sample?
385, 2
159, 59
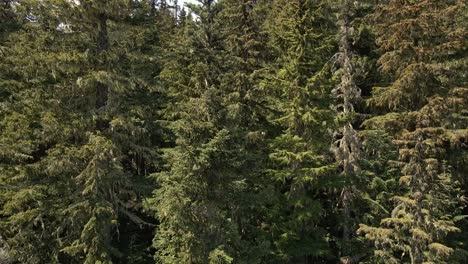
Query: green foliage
74, 173
191, 203
416, 42
301, 96
233, 131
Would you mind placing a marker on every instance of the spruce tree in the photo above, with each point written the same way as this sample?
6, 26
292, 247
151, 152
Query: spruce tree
347, 143
416, 41
192, 202
31, 200
86, 141
246, 118
301, 33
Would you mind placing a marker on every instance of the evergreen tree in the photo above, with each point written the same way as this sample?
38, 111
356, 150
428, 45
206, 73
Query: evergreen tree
84, 150
347, 144
192, 202
302, 35
246, 118
30, 198
416, 40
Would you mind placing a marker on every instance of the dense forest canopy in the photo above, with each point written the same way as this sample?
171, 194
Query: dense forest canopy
233, 131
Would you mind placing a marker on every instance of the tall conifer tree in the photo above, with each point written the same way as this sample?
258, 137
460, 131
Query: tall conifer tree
87, 149
416, 40
193, 201
302, 34
246, 118
347, 144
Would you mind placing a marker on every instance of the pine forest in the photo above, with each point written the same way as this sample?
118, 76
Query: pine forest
233, 131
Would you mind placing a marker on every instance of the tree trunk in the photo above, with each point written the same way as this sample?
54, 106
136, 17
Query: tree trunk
102, 91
